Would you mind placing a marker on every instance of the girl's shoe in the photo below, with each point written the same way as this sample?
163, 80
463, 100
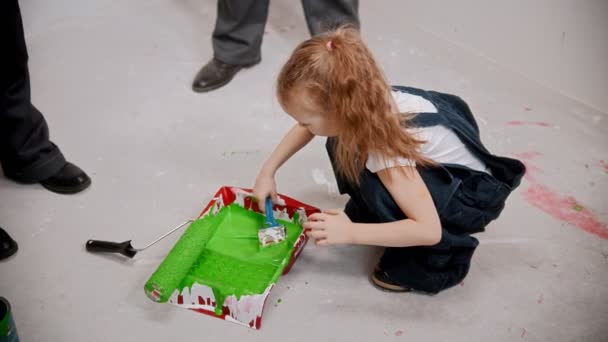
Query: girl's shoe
383, 281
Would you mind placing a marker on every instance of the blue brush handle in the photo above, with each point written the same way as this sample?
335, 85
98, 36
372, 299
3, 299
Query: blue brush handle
270, 221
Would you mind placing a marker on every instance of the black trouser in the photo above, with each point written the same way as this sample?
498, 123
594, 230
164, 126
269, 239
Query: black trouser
26, 153
239, 27
428, 269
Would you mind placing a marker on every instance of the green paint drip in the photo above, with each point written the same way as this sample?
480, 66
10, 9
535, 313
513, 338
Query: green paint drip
578, 207
227, 258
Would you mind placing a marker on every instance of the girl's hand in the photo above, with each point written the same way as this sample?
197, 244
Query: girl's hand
265, 186
332, 227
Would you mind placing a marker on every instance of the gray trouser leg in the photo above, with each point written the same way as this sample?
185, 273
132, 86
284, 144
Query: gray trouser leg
239, 30
325, 15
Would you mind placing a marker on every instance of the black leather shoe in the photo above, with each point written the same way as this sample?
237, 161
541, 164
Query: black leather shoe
8, 246
69, 180
213, 75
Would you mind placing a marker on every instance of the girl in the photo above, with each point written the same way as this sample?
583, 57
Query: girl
420, 180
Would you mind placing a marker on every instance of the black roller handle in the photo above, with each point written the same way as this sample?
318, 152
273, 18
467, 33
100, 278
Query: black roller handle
124, 248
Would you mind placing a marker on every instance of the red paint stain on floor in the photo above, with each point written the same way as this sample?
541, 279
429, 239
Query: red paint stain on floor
398, 332
565, 208
540, 299
528, 123
527, 158
523, 332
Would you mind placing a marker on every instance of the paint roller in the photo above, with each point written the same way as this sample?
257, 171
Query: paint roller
188, 249
176, 264
180, 260
185, 252
125, 248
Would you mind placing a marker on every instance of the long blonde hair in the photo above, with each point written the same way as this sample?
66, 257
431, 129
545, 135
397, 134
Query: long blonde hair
340, 76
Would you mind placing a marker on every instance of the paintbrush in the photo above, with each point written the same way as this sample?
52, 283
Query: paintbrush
272, 232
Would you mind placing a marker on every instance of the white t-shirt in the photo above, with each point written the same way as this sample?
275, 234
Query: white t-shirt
442, 144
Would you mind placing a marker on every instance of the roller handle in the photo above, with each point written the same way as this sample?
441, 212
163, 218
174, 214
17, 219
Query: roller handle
124, 248
270, 221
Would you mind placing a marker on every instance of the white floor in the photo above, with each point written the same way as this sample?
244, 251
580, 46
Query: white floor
113, 79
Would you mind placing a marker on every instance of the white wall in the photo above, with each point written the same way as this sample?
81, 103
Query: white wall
562, 44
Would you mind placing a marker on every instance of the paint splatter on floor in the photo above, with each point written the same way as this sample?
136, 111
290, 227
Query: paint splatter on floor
563, 208
527, 158
529, 123
398, 332
604, 165
236, 153
524, 332
540, 299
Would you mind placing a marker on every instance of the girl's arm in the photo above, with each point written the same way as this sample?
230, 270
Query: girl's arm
297, 137
421, 228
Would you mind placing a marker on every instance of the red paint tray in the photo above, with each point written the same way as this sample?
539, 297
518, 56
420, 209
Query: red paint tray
217, 266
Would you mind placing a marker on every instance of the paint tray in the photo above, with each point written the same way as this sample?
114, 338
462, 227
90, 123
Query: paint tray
218, 268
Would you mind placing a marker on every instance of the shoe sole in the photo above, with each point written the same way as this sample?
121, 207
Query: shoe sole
208, 89
217, 86
67, 191
379, 284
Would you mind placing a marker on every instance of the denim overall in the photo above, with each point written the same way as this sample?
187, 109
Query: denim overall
466, 200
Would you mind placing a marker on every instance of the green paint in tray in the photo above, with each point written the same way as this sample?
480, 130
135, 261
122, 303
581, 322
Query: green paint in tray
222, 252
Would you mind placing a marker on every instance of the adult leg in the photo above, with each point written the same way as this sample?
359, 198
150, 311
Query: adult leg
324, 15
239, 30
26, 153
237, 40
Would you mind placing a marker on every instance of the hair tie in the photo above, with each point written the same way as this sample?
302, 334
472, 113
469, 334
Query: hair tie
328, 45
